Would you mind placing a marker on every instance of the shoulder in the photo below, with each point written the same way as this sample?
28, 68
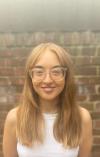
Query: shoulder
86, 117
87, 137
86, 122
10, 126
9, 134
11, 117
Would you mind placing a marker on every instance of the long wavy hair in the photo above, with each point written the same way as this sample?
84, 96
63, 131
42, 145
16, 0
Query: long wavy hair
30, 122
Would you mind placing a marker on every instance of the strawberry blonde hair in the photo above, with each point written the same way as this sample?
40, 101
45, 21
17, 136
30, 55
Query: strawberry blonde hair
30, 123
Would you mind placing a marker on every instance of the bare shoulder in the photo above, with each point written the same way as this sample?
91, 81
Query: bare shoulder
86, 119
87, 137
11, 117
9, 135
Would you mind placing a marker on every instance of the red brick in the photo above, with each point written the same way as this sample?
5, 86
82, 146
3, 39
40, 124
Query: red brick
11, 71
86, 60
19, 71
50, 37
94, 97
14, 52
96, 140
7, 90
98, 50
89, 106
97, 123
11, 99
95, 115
99, 70
19, 39
94, 80
3, 99
96, 131
80, 38
6, 107
38, 37
2, 62
7, 39
96, 154
95, 60
86, 70
97, 106
97, 37
82, 60
73, 51
99, 89
67, 36
89, 80
2, 115
17, 81
96, 148
5, 81
12, 62
6, 71
88, 51
88, 38
84, 89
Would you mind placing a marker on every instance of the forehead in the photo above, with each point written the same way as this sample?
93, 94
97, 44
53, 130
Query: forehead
48, 59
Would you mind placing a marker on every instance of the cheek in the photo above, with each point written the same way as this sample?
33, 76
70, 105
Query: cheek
61, 86
35, 84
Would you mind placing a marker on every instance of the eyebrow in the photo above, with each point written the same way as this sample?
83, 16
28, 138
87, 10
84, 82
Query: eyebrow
38, 66
56, 66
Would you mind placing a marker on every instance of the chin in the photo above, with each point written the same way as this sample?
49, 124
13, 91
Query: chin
49, 97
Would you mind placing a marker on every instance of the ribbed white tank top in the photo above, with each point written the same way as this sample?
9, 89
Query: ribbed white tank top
50, 148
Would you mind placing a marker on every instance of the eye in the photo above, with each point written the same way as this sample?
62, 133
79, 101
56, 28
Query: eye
37, 72
57, 71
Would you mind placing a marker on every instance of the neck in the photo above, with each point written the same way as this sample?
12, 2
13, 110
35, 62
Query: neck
49, 106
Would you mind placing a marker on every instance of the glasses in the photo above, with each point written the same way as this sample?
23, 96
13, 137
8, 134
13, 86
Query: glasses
56, 73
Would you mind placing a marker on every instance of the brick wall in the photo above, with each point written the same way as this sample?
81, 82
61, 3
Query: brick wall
85, 50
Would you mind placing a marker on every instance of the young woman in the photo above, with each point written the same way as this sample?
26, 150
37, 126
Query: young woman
48, 122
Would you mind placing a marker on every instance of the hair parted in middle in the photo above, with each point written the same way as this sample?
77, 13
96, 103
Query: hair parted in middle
30, 123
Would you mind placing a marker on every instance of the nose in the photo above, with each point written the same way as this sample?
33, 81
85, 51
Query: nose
47, 78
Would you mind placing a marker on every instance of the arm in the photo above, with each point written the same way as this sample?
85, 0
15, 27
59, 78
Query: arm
9, 137
86, 144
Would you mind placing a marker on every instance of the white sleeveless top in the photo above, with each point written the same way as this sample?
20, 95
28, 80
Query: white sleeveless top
50, 148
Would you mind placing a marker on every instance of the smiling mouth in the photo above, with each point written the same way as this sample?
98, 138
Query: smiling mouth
48, 89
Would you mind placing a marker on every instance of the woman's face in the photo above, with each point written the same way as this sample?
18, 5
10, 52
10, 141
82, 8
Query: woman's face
47, 78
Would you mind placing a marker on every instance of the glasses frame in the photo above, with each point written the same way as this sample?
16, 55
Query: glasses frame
45, 72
